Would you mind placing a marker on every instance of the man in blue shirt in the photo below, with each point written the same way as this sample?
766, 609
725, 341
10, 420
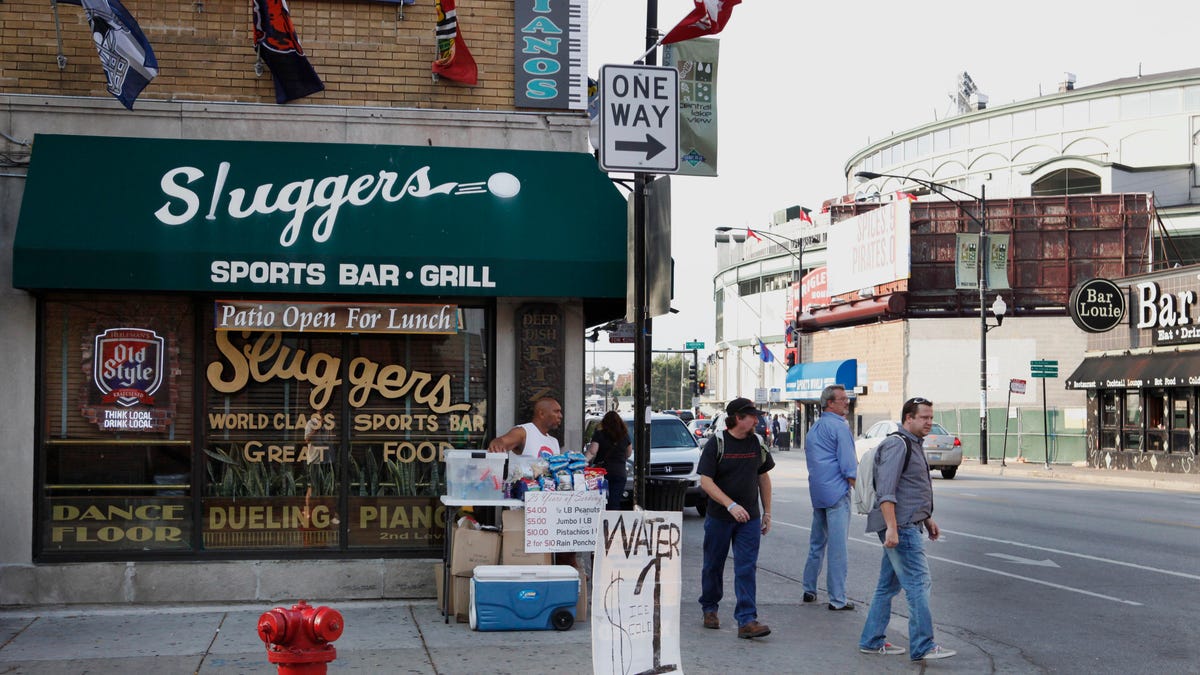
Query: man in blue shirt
832, 468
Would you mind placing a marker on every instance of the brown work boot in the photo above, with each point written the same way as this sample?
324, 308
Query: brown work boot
754, 629
711, 620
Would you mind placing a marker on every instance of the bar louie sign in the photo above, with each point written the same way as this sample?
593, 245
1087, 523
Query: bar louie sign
317, 218
1097, 305
320, 317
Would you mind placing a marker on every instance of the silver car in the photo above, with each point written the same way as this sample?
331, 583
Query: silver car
943, 450
674, 454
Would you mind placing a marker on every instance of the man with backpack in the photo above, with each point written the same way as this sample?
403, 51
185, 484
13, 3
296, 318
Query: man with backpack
733, 473
832, 468
903, 508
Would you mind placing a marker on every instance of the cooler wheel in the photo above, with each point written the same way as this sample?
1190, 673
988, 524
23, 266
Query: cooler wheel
562, 619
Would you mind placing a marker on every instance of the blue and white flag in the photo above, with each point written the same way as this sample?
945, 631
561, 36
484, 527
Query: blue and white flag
125, 53
764, 353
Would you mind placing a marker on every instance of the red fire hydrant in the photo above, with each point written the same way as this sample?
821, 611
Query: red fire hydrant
298, 638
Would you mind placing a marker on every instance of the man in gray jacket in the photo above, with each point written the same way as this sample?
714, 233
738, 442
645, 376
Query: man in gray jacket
903, 508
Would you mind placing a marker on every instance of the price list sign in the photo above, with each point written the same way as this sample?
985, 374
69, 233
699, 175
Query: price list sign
557, 522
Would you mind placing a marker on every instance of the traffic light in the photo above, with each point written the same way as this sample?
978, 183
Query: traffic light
692, 372
701, 386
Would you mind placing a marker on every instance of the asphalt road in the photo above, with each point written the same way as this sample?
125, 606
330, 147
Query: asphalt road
1076, 577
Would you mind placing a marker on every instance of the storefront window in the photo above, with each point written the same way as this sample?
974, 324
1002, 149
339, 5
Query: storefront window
1110, 408
116, 426
1156, 420
1132, 422
1181, 421
336, 440
314, 440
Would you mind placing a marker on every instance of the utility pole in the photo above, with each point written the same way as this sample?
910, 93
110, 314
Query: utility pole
643, 326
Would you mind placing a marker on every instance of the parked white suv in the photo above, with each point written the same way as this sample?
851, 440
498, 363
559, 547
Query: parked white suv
674, 454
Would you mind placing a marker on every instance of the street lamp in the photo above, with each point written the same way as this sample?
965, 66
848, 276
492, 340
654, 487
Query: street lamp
981, 268
723, 236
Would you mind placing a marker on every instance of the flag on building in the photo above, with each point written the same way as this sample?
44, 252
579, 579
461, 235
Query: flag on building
750, 233
707, 18
804, 215
125, 53
454, 61
905, 196
764, 353
278, 46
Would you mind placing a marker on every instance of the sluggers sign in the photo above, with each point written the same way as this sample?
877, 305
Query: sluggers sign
636, 580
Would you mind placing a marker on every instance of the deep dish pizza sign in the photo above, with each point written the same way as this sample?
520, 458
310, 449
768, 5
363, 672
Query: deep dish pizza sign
129, 368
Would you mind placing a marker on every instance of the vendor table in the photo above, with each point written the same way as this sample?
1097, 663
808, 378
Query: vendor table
452, 505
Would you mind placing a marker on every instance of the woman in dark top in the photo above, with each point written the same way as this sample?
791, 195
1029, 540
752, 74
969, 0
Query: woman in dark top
609, 449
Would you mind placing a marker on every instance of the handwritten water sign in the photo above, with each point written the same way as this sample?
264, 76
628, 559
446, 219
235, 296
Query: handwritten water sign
636, 581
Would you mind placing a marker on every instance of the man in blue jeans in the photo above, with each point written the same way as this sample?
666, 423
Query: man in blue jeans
903, 508
733, 473
832, 467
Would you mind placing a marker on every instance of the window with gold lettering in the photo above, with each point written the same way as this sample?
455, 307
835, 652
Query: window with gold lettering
335, 441
115, 455
272, 422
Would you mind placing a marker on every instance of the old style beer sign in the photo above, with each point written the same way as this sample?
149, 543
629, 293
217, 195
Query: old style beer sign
128, 365
128, 368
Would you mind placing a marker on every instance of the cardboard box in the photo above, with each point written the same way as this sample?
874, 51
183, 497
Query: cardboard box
471, 548
582, 612
460, 594
461, 587
512, 542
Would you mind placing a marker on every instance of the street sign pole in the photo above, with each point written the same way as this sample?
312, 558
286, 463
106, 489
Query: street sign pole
1045, 424
642, 324
1044, 370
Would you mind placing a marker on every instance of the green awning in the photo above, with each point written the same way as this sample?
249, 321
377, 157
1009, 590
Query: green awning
318, 218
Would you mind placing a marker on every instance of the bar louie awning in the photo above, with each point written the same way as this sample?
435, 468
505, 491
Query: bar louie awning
222, 216
1170, 369
805, 381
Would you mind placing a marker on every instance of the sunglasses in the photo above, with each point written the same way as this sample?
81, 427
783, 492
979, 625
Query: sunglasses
917, 400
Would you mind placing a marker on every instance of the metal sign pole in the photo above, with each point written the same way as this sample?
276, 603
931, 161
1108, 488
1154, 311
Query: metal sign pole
1045, 424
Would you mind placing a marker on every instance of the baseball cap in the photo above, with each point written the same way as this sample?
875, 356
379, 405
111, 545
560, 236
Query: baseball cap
743, 406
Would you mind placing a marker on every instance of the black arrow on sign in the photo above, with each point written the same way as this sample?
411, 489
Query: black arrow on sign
651, 146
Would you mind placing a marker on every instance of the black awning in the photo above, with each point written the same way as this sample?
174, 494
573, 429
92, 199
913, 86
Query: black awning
1170, 369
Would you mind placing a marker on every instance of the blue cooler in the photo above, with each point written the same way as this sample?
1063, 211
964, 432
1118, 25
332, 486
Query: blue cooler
524, 597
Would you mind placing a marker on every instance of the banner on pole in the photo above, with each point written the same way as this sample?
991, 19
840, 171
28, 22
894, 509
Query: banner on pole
636, 581
696, 60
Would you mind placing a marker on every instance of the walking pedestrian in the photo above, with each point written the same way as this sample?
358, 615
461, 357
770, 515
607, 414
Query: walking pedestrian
832, 468
903, 509
733, 473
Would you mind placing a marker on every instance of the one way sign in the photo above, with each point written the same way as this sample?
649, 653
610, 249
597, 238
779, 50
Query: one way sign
639, 119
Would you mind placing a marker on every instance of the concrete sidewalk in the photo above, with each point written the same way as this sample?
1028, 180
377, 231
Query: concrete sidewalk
410, 636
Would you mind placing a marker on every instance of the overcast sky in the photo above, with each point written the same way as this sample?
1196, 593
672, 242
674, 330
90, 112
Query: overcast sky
804, 85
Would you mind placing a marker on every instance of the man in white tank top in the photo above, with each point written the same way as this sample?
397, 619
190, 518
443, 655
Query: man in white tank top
529, 441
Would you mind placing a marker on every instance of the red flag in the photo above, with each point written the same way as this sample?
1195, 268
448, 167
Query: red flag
278, 46
454, 61
750, 233
804, 216
707, 18
905, 196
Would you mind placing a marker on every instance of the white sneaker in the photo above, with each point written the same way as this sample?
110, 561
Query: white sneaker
888, 649
939, 652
